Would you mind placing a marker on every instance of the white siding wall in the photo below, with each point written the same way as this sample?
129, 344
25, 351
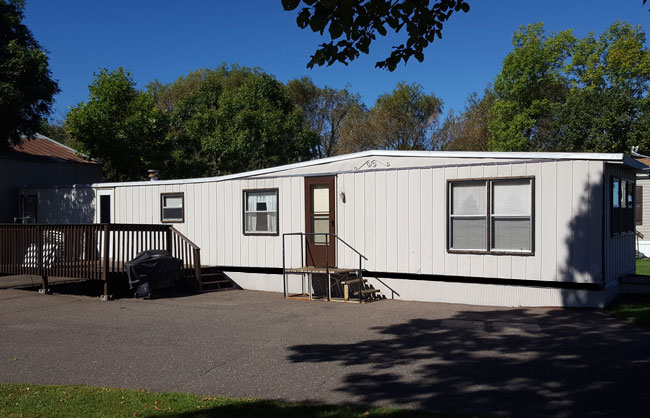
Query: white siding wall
214, 220
397, 218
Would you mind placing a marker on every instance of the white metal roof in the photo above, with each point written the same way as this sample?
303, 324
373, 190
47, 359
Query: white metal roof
610, 157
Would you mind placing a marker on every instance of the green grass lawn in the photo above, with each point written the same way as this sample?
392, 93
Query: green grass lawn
21, 400
643, 266
633, 308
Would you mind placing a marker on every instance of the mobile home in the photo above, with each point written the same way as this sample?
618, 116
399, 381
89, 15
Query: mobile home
501, 229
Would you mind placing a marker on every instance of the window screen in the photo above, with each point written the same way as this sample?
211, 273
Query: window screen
261, 212
172, 207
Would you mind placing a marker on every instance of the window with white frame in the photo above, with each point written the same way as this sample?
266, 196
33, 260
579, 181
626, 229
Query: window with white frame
261, 212
492, 215
172, 207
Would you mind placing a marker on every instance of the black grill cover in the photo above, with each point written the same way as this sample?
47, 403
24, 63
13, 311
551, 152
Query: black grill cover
156, 267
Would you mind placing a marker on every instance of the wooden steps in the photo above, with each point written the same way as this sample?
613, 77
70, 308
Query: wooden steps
367, 292
213, 280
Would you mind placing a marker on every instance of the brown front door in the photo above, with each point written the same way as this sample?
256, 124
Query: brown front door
319, 210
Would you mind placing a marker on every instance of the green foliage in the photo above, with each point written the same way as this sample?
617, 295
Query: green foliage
469, 130
403, 120
120, 127
50, 401
530, 88
324, 110
168, 95
237, 120
58, 132
568, 94
26, 86
357, 24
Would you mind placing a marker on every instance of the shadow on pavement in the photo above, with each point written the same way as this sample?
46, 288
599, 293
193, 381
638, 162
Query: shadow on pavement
502, 363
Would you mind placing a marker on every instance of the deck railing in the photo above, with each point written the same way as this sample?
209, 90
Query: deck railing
89, 251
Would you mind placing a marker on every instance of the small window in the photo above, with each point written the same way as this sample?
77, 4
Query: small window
261, 212
172, 207
492, 215
622, 217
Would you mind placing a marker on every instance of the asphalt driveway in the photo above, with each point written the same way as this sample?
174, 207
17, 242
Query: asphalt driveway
441, 357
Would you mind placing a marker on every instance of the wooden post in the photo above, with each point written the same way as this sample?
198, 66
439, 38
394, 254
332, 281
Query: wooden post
40, 262
105, 272
168, 239
197, 268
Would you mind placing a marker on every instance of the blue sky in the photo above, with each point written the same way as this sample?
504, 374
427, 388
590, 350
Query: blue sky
164, 40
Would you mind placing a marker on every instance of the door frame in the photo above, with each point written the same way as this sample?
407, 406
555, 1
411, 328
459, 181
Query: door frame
105, 192
315, 255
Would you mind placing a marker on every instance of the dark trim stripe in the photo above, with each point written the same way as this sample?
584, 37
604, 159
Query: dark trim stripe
439, 278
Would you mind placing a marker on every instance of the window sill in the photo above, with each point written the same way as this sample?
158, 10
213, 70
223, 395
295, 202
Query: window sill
493, 252
261, 234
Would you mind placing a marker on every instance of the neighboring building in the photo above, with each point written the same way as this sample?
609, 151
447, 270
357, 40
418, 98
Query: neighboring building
40, 162
505, 229
642, 213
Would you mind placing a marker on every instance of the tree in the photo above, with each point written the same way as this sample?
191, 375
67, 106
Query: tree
356, 131
357, 23
56, 131
405, 118
120, 127
324, 110
238, 120
530, 89
567, 94
607, 105
469, 130
402, 120
26, 86
168, 95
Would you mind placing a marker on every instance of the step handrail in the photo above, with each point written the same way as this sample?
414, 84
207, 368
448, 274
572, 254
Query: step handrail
327, 234
327, 266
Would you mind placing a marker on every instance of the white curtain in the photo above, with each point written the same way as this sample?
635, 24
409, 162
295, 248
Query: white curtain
262, 212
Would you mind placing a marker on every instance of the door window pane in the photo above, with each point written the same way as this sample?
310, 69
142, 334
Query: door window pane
321, 199
320, 224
